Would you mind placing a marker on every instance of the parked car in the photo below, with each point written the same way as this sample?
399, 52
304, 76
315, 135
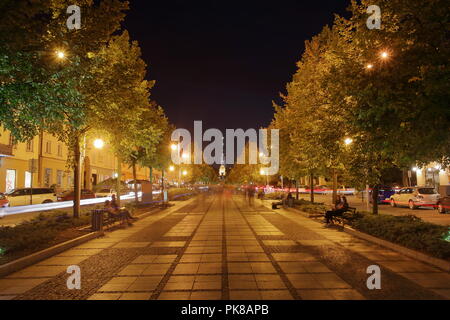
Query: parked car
384, 194
103, 193
21, 197
4, 203
415, 197
70, 195
443, 204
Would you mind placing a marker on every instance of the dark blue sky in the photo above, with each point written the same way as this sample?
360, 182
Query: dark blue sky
224, 62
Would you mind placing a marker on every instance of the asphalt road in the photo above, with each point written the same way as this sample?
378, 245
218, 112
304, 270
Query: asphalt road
219, 247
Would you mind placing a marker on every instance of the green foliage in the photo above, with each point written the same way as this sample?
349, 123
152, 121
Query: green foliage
409, 231
39, 231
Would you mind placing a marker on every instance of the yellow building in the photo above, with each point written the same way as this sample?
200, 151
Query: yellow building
47, 158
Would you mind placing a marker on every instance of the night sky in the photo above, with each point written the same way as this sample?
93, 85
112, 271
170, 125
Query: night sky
224, 62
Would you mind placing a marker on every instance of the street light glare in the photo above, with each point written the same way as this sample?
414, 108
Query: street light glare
185, 173
348, 141
185, 156
60, 54
384, 54
171, 168
262, 172
99, 143
369, 66
174, 147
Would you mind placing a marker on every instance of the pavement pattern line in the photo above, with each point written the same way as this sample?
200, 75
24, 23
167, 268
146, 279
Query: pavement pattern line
24, 285
407, 285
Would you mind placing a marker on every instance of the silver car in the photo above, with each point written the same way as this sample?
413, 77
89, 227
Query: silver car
415, 197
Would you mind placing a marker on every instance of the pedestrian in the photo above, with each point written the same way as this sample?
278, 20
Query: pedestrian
339, 210
251, 194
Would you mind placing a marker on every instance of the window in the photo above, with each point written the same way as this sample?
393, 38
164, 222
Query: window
69, 181
59, 178
60, 152
10, 180
12, 141
27, 179
48, 177
48, 147
30, 146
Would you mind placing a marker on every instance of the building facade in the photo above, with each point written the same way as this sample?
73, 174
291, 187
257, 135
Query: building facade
42, 162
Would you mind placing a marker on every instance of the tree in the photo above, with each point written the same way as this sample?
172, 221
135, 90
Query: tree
312, 128
393, 84
148, 135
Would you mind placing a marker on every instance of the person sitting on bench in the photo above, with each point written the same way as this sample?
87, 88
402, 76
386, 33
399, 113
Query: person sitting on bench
339, 210
114, 210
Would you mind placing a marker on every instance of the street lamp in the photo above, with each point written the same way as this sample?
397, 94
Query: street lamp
185, 173
171, 168
369, 66
174, 147
99, 143
60, 54
384, 55
348, 141
265, 172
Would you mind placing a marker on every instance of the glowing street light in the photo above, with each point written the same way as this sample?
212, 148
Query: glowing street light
99, 143
369, 66
185, 155
185, 173
348, 141
384, 55
60, 54
415, 169
171, 168
174, 147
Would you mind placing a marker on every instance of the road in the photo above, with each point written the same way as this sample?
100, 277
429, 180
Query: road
426, 214
218, 247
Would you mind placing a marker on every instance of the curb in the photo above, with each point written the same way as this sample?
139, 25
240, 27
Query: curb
26, 261
439, 263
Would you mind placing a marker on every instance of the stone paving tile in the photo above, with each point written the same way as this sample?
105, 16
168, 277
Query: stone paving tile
146, 259
18, 286
407, 266
438, 280
291, 257
168, 244
105, 296
136, 296
245, 295
79, 252
38, 271
63, 261
131, 244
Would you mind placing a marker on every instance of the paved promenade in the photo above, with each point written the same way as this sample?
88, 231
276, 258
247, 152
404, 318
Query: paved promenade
218, 247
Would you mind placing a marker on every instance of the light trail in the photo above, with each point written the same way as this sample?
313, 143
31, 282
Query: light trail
61, 204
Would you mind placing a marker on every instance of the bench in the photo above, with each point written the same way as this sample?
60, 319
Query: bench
111, 218
341, 219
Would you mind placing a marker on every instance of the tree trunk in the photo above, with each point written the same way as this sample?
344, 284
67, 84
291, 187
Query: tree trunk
162, 185
77, 177
334, 196
151, 184
136, 198
296, 189
119, 176
311, 186
375, 199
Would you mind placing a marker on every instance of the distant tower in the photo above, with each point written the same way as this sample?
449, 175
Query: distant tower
222, 170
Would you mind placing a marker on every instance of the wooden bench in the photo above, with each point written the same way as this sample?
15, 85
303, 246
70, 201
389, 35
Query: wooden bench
341, 219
